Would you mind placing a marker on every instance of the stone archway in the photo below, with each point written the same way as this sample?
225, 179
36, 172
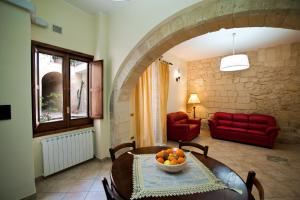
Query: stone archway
201, 18
52, 83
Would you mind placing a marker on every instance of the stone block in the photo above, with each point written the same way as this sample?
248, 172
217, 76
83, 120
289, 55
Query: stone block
292, 20
261, 55
239, 86
224, 8
286, 51
275, 18
243, 100
240, 20
236, 80
243, 80
256, 19
271, 54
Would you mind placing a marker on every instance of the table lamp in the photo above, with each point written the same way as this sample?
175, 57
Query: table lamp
193, 100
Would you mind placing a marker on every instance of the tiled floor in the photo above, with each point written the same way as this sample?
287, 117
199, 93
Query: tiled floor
78, 183
278, 170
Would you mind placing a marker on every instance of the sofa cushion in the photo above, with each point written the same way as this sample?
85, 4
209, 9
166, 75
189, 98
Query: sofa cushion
173, 117
224, 123
255, 132
262, 119
258, 127
182, 121
226, 128
240, 117
240, 125
193, 126
223, 116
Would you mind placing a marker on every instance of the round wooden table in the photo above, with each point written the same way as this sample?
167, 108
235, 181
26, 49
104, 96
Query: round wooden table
121, 175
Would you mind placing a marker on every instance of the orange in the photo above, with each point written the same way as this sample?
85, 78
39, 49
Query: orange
169, 151
161, 160
160, 154
180, 160
171, 157
180, 153
173, 162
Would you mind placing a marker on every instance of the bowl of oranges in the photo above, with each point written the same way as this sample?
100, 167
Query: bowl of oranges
171, 160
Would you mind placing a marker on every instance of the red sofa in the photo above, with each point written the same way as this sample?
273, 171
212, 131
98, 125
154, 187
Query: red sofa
254, 129
180, 127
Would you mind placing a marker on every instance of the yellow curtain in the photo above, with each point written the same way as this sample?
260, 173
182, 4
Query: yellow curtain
149, 105
143, 110
163, 82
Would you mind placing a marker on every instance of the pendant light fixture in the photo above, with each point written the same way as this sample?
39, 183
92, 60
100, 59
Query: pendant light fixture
234, 62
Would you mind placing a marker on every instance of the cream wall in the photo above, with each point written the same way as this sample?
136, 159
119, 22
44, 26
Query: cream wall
79, 27
16, 168
102, 126
84, 33
130, 24
177, 90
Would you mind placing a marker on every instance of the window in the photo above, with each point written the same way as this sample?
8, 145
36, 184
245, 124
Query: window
65, 93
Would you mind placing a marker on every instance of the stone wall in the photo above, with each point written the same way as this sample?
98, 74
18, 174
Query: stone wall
271, 86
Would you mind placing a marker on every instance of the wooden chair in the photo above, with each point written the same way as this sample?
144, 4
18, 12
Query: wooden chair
252, 180
191, 144
112, 151
110, 194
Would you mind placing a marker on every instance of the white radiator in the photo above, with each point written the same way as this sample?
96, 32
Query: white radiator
61, 152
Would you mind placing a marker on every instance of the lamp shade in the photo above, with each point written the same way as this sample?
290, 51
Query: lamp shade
234, 63
193, 99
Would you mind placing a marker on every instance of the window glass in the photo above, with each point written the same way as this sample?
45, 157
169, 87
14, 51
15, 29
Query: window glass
78, 89
50, 88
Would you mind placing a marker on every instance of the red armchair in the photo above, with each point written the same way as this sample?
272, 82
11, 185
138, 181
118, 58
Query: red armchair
180, 127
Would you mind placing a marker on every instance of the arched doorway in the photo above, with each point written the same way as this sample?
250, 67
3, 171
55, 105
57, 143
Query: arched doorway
203, 17
51, 96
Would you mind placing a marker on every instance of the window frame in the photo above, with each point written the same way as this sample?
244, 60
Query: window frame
41, 129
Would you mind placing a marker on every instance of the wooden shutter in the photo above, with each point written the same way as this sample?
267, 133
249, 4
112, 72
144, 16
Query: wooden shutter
96, 89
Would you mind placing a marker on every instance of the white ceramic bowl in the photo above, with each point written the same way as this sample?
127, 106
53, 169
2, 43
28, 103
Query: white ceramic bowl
171, 168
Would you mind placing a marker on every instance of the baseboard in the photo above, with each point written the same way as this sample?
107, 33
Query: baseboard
39, 178
30, 197
102, 159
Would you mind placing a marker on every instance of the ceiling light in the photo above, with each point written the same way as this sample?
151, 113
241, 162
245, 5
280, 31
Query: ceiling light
234, 62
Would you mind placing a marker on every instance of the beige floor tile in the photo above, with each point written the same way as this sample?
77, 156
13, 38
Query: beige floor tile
89, 174
95, 196
81, 186
97, 186
75, 196
50, 196
60, 186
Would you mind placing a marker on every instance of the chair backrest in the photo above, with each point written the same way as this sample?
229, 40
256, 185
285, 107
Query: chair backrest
176, 117
110, 194
191, 144
112, 151
252, 180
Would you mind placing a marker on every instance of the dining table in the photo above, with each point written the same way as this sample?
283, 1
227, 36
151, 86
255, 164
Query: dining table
122, 178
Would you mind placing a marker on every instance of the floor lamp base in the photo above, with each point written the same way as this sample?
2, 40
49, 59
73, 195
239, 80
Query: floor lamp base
194, 112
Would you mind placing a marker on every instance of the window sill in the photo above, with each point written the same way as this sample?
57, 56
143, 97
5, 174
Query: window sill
60, 131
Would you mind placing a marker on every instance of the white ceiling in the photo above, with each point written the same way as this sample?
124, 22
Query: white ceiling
94, 6
220, 43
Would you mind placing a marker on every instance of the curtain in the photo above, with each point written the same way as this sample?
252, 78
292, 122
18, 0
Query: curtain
163, 82
150, 98
143, 110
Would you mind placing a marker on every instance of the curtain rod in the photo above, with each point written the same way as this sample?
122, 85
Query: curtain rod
161, 59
